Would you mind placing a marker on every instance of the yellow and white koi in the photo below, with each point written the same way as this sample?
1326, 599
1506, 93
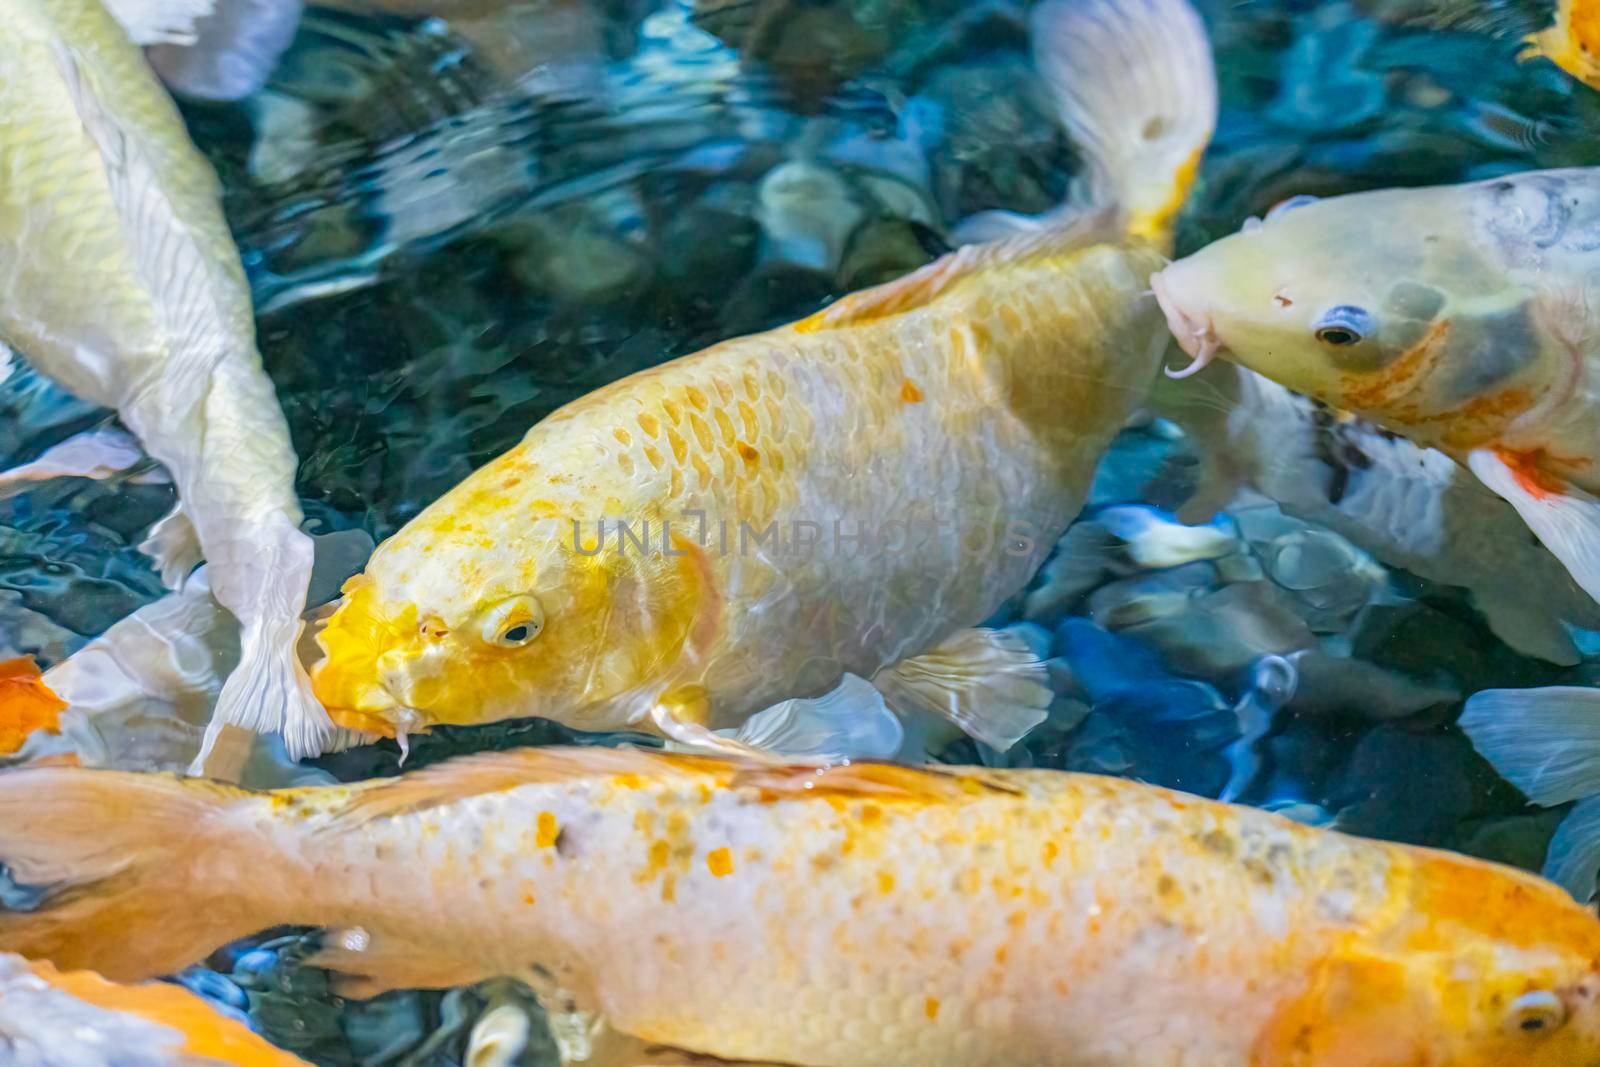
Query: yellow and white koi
1572, 42
123, 284
1457, 316
864, 915
51, 1019
841, 499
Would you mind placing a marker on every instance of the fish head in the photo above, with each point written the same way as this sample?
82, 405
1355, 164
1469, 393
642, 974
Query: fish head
1481, 967
1386, 304
462, 619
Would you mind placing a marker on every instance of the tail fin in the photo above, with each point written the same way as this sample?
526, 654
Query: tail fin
130, 875
1136, 89
234, 50
1546, 742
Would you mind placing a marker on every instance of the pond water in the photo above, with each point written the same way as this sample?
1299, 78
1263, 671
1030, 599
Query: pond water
453, 229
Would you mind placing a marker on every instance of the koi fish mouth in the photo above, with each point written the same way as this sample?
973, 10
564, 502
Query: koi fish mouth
1195, 336
398, 722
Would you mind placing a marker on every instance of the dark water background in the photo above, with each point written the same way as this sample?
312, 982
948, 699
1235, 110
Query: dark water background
446, 245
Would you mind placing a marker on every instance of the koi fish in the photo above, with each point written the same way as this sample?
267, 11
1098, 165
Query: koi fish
1572, 42
781, 482
864, 915
1455, 316
124, 286
51, 1019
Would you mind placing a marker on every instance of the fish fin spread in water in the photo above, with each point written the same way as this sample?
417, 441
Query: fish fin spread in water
921, 287
1136, 89
269, 691
234, 49
367, 965
1546, 742
1574, 855
99, 454
150, 22
1565, 518
173, 548
988, 682
27, 704
127, 864
850, 722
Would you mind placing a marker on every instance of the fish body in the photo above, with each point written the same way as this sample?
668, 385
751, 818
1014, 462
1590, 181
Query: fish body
123, 285
54, 1019
862, 915
1572, 42
839, 496
1458, 316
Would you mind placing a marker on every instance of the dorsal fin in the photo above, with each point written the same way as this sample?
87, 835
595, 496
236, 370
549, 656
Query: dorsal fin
879, 781
923, 286
496, 772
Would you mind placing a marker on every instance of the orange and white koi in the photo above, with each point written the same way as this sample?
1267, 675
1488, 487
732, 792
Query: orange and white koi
864, 915
783, 482
54, 1019
1572, 42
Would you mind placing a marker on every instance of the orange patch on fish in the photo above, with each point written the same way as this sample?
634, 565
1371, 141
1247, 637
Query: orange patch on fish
27, 705
1528, 469
1374, 391
930, 1007
719, 861
548, 830
909, 393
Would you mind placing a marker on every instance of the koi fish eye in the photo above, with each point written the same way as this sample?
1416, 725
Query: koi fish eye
1342, 326
513, 622
1283, 207
1539, 1012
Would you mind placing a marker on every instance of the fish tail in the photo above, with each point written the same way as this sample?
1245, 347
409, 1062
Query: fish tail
1136, 88
129, 875
234, 49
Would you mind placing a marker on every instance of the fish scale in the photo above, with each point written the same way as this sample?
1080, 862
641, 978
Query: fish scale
875, 480
856, 916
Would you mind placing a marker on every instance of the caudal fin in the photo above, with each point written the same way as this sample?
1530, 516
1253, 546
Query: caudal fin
1135, 86
233, 51
129, 875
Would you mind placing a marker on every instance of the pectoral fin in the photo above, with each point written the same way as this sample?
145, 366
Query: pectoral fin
850, 722
1546, 742
173, 546
368, 964
1564, 517
988, 682
1574, 856
97, 454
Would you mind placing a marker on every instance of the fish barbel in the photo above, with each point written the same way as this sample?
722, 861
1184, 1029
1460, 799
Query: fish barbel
846, 496
78, 1019
122, 283
866, 915
1458, 316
